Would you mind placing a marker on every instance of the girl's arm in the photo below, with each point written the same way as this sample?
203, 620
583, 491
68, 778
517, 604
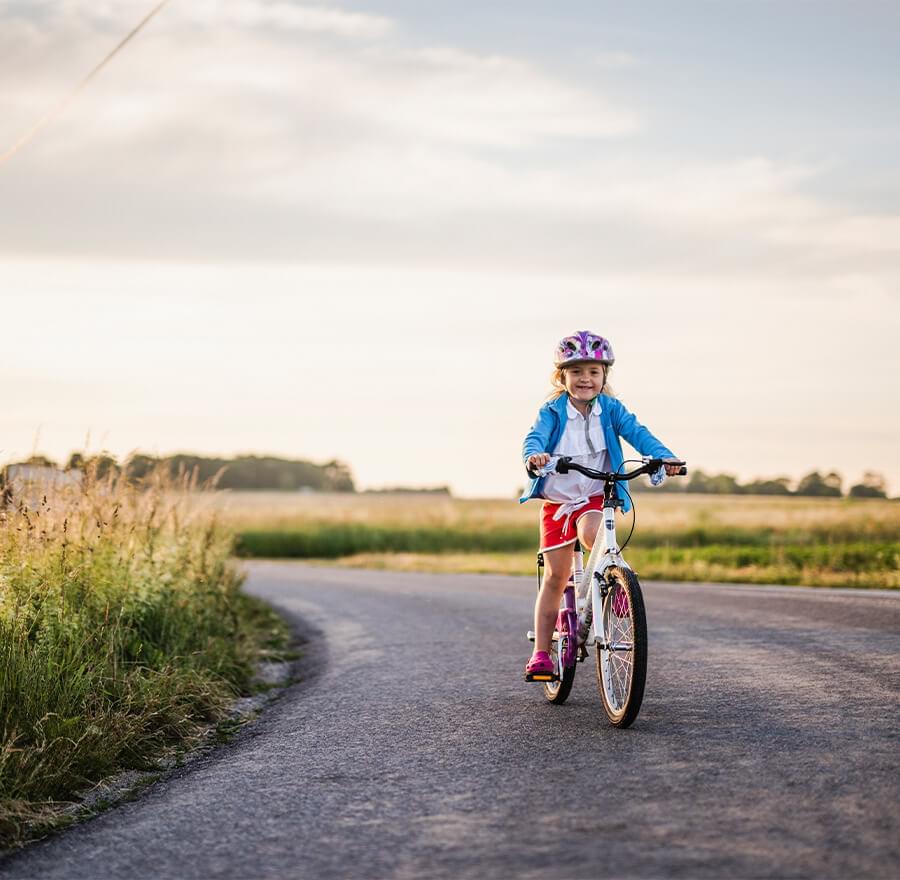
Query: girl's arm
627, 426
538, 438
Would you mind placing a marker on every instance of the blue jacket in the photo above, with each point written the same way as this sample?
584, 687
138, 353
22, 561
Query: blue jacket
616, 421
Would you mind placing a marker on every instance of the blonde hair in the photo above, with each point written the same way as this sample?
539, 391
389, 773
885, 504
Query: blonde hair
557, 380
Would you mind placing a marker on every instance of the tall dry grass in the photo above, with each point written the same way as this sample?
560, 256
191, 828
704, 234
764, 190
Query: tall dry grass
122, 630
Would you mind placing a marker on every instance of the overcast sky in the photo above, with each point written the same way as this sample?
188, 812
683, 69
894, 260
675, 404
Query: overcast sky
357, 230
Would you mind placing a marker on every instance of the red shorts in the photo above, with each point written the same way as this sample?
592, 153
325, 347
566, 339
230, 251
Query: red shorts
554, 532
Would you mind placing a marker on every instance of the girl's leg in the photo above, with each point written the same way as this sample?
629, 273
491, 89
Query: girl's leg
588, 527
557, 568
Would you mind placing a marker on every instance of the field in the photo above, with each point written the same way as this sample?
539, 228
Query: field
750, 539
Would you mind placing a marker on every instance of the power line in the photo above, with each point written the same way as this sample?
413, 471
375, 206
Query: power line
59, 108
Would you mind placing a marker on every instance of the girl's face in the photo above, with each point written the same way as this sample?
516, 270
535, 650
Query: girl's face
584, 381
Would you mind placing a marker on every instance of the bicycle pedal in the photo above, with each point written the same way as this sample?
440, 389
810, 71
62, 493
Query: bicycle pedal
582, 654
541, 676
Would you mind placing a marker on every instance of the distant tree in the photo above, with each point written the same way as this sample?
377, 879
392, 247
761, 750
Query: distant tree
100, 465
339, 476
717, 484
247, 472
835, 481
873, 485
776, 486
105, 464
822, 486
138, 466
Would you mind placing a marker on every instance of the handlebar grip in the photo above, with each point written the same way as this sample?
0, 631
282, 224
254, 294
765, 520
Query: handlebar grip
654, 463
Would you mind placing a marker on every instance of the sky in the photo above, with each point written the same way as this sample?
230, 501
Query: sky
357, 230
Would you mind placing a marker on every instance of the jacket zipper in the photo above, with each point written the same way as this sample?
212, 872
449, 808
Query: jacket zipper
587, 431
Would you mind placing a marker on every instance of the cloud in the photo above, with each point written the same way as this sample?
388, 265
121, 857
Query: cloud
290, 16
245, 128
267, 62
84, 18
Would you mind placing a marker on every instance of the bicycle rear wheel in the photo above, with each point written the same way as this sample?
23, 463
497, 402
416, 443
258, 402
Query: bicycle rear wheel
558, 691
622, 650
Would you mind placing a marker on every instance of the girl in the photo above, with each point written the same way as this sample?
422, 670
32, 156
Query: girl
582, 418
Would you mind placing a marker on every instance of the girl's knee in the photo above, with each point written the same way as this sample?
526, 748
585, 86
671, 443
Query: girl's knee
588, 527
554, 582
557, 567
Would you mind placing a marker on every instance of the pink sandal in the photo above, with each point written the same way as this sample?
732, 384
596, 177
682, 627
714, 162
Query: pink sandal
540, 668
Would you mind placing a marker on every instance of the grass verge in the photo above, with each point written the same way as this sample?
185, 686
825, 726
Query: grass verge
647, 564
123, 633
865, 554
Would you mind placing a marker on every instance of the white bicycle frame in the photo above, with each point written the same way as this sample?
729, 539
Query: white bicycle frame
603, 554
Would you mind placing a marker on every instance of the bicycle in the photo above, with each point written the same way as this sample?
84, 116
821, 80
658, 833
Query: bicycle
608, 591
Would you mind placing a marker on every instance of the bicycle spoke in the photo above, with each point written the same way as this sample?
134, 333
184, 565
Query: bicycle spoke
621, 647
618, 641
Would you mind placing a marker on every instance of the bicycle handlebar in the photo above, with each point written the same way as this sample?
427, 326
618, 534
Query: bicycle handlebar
565, 464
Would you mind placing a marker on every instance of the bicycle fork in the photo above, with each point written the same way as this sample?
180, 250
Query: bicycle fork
590, 595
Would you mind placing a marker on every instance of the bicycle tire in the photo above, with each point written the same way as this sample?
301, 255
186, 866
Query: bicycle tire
622, 703
557, 692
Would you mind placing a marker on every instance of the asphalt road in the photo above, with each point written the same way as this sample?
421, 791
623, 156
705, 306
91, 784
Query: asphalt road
767, 746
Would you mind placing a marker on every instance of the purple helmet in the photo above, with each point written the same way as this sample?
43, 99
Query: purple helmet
584, 347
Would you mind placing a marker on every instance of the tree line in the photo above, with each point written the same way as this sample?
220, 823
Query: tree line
813, 484
242, 472
280, 474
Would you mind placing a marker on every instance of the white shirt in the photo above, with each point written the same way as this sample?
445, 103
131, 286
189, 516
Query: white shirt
583, 440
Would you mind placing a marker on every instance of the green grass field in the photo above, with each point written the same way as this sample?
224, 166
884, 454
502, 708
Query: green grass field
751, 539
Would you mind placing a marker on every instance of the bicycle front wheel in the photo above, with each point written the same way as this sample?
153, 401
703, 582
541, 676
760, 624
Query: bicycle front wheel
622, 648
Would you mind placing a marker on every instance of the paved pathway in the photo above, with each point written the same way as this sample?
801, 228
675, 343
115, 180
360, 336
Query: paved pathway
767, 746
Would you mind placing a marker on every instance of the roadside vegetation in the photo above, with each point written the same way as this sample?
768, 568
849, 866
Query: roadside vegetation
123, 634
817, 541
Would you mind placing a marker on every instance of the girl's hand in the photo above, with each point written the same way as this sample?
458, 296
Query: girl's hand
538, 460
672, 469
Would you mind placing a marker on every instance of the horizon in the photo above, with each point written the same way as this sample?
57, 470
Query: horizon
60, 462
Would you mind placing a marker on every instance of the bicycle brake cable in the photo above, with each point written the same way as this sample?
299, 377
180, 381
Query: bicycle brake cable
630, 498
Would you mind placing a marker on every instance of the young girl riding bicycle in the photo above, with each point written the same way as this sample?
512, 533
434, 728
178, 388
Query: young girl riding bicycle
584, 420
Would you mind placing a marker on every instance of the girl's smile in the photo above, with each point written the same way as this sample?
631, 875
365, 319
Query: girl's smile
584, 381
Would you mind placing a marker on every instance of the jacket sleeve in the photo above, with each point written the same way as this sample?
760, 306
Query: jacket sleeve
538, 438
627, 426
